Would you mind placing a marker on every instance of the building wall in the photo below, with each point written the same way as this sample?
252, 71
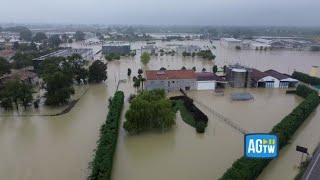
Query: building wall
125, 49
238, 79
276, 82
171, 85
206, 85
230, 44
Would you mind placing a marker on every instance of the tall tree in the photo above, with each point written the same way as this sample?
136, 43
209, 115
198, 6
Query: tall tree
26, 35
21, 60
16, 46
97, 72
145, 58
149, 110
77, 64
39, 37
79, 36
58, 77
25, 94
5, 67
129, 72
13, 88
215, 69
54, 41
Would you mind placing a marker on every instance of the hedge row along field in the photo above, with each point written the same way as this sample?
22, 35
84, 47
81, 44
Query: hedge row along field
101, 166
250, 169
201, 120
306, 78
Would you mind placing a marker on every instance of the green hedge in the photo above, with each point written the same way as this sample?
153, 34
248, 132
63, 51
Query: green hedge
250, 169
304, 91
306, 78
102, 163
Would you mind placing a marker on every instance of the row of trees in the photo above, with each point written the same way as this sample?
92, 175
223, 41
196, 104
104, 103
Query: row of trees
250, 169
205, 54
149, 110
306, 78
59, 74
101, 166
15, 92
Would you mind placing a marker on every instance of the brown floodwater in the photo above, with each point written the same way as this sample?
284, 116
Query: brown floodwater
40, 147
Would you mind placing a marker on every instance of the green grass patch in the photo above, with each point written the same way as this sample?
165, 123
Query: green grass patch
185, 114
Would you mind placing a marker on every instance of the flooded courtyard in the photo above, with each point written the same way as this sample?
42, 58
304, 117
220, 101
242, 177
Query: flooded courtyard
61, 147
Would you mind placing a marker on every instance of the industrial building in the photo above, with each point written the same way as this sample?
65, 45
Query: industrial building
171, 80
285, 80
272, 79
117, 48
86, 54
188, 49
231, 42
209, 81
238, 76
149, 49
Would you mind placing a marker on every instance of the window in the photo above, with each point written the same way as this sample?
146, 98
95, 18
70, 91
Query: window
172, 81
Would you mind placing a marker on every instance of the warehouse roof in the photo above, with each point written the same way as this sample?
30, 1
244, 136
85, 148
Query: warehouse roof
170, 74
276, 74
208, 76
257, 75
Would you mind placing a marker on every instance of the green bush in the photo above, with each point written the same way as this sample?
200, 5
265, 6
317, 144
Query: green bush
306, 78
200, 127
250, 169
304, 91
101, 166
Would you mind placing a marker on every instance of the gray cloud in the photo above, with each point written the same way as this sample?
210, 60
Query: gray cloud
180, 12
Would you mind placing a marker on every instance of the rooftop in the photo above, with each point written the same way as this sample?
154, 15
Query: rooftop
276, 74
257, 74
64, 53
231, 39
170, 74
7, 52
208, 76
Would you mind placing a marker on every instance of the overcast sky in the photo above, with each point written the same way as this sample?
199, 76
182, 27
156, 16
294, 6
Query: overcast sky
162, 12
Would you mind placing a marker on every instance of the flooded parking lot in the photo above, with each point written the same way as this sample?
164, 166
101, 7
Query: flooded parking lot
61, 147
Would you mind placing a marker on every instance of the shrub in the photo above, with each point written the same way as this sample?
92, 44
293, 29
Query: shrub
200, 127
306, 78
250, 169
101, 166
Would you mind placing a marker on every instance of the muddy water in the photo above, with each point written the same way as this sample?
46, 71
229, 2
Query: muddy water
286, 165
176, 154
61, 147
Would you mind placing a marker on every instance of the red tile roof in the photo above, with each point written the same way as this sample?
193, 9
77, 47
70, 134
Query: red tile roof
170, 74
208, 76
276, 74
257, 75
7, 52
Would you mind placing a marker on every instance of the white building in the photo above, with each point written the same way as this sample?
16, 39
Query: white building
272, 79
188, 49
209, 81
149, 49
231, 42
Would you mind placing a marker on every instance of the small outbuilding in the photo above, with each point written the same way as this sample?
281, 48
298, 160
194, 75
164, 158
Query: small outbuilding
209, 81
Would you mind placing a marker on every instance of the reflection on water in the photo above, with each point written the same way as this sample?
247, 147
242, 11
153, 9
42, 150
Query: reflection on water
61, 147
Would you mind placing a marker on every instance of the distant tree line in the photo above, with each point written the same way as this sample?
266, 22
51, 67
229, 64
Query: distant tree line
250, 169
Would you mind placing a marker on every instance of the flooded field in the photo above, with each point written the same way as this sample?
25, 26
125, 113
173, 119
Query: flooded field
286, 165
39, 147
179, 151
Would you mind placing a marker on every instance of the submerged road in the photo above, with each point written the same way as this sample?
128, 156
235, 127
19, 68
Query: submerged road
313, 170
